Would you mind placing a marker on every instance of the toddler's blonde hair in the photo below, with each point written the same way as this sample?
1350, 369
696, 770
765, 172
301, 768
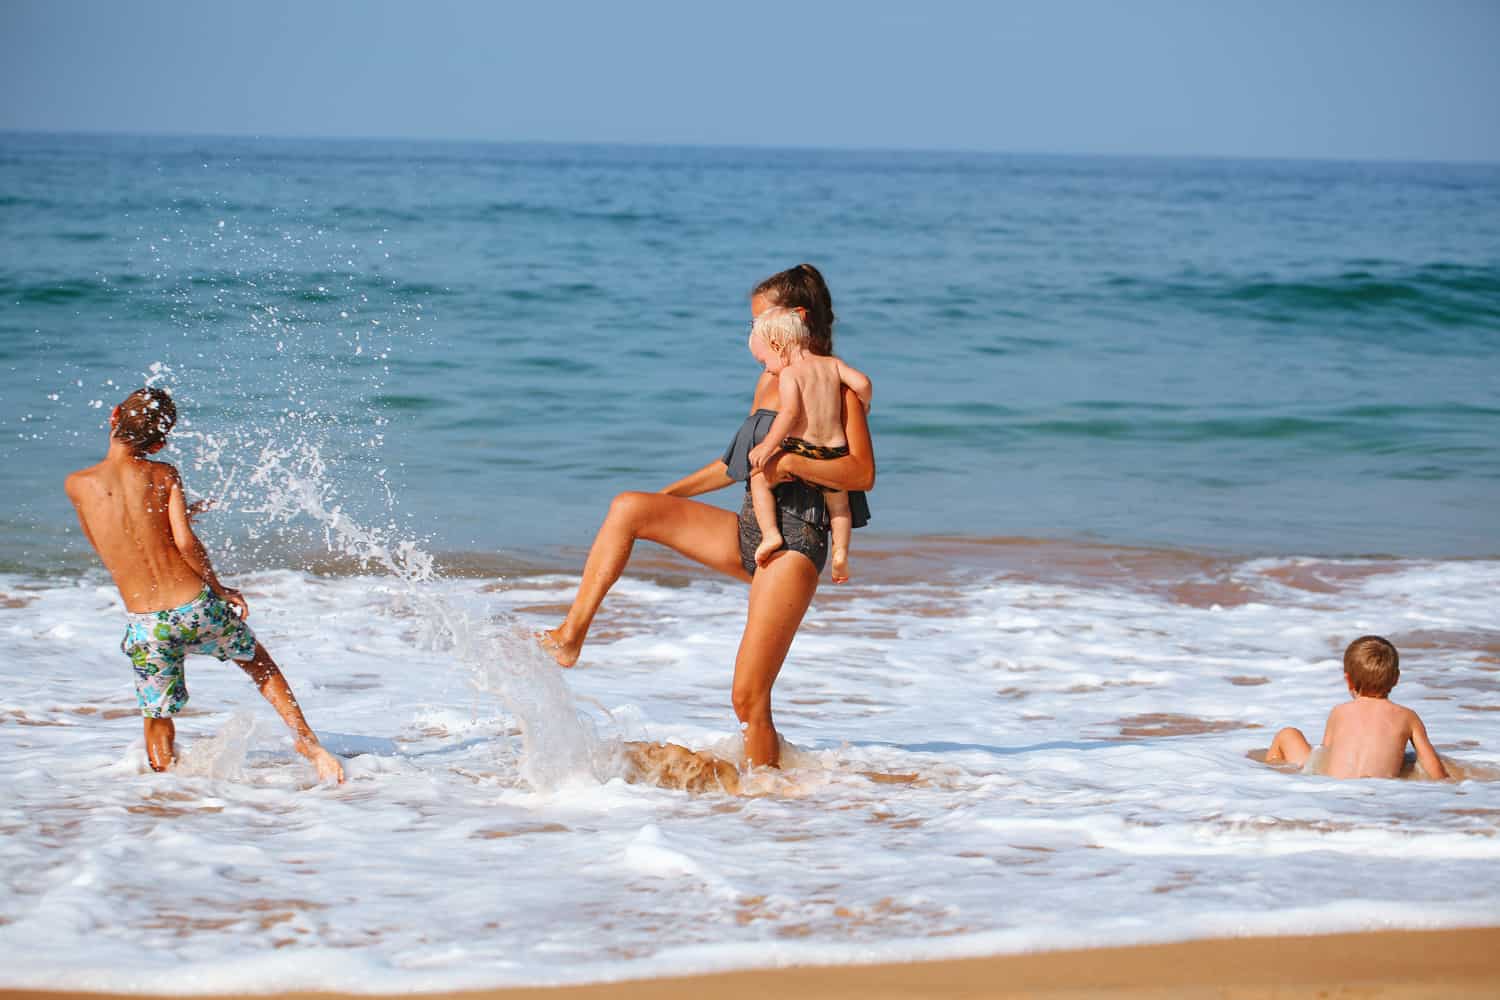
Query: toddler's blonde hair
783, 329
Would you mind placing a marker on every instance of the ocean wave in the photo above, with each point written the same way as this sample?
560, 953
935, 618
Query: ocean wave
1440, 294
1445, 435
498, 210
64, 291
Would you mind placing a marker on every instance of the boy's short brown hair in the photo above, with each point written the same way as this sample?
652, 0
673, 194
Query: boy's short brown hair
146, 417
1373, 665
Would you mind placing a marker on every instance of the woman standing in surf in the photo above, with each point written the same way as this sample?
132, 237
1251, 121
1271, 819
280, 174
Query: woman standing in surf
783, 588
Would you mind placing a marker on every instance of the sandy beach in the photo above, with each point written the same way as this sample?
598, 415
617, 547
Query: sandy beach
1386, 964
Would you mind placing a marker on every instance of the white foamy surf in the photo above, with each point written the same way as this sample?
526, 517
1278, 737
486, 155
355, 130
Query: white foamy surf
988, 761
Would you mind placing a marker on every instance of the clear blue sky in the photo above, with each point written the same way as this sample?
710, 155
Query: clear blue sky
1378, 79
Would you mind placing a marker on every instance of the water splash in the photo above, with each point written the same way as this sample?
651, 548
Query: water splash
221, 756
297, 445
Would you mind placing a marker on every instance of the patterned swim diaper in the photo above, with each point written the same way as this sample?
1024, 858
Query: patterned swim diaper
158, 642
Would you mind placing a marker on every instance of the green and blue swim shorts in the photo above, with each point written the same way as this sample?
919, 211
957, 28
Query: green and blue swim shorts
158, 642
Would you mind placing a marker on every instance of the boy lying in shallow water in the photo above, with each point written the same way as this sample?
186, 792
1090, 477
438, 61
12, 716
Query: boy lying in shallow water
1367, 737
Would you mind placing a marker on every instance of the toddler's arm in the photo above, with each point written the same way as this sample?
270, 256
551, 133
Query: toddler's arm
787, 417
858, 381
193, 552
1426, 756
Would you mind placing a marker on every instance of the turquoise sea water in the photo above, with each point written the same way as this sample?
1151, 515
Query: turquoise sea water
484, 342
383, 350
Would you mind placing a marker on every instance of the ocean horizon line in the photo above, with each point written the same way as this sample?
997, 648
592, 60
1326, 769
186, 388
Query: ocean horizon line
851, 150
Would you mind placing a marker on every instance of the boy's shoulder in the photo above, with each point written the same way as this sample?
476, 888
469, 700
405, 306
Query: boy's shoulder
76, 481
1409, 714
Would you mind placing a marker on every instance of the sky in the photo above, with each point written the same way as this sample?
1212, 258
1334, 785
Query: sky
1338, 79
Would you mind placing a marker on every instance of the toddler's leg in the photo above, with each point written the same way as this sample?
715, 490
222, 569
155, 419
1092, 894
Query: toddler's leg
764, 502
274, 688
160, 735
1289, 747
841, 528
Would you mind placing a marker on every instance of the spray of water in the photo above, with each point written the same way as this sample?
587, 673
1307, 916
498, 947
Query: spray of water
559, 742
307, 325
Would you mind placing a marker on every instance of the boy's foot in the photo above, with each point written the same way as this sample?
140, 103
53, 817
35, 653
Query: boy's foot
769, 546
840, 566
565, 653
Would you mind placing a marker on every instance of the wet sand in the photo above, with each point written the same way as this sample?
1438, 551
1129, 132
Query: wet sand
1386, 964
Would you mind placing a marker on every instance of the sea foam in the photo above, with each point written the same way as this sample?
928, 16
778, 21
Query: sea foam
985, 763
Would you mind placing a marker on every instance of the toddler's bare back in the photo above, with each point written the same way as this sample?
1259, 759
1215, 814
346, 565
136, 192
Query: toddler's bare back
820, 383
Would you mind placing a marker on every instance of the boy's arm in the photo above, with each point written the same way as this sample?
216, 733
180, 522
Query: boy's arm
786, 418
1426, 756
71, 487
193, 552
859, 382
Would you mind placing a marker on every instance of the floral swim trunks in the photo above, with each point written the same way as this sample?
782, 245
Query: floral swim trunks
158, 642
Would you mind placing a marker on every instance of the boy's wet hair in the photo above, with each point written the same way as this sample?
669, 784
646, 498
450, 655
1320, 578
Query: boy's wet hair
1373, 666
783, 328
146, 417
803, 287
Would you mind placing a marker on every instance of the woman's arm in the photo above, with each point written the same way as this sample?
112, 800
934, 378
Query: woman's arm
855, 471
713, 476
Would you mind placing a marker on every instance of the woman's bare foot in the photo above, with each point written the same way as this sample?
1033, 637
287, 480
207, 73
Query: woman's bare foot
555, 646
770, 544
840, 565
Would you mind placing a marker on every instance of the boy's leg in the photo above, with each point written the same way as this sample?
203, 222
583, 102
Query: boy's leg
1289, 747
274, 688
160, 751
160, 692
764, 502
841, 530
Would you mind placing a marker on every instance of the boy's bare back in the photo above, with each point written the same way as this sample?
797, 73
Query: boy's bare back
132, 510
818, 382
1367, 738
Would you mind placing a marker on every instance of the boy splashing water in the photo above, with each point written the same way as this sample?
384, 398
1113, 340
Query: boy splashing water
809, 422
135, 516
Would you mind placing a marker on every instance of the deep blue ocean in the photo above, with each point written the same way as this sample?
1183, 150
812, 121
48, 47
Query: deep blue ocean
478, 344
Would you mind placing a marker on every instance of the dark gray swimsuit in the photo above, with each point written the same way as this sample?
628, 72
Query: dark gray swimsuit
801, 513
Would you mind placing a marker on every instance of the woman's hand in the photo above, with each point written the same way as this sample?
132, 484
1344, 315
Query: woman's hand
855, 471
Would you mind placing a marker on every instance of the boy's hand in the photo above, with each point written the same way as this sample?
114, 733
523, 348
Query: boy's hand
329, 769
235, 600
200, 507
759, 454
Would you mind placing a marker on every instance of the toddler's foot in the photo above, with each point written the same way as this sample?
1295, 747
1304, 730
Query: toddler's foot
564, 652
769, 546
840, 565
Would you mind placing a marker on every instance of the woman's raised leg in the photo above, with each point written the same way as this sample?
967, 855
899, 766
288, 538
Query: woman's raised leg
703, 533
779, 596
